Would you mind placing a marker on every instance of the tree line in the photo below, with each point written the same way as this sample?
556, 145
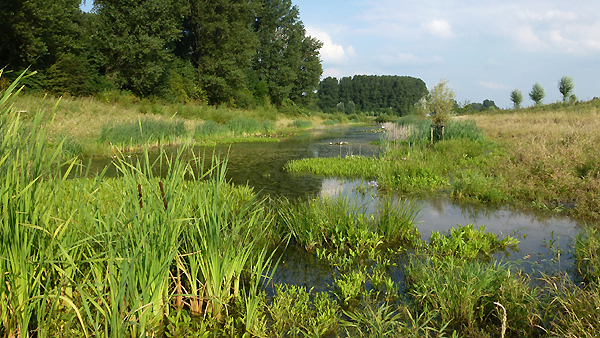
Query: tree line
245, 52
395, 95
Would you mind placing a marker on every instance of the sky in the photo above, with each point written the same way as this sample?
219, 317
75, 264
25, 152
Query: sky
484, 48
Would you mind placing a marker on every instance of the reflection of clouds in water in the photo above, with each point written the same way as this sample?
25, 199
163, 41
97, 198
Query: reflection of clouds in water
332, 187
358, 191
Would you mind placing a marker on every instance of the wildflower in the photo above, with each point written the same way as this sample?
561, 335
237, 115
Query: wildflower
372, 184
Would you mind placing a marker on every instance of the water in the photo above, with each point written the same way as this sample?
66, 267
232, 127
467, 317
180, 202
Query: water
542, 235
261, 165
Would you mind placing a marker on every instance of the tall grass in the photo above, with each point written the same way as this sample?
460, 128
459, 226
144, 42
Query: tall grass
463, 294
106, 257
142, 131
454, 129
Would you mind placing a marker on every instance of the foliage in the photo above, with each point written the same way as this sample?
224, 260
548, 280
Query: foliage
537, 93
295, 315
219, 42
565, 87
132, 40
369, 93
517, 98
464, 294
286, 59
440, 102
37, 35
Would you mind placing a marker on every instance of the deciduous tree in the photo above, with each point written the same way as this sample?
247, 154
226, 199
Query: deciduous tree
517, 98
286, 59
537, 93
440, 102
565, 87
219, 40
135, 39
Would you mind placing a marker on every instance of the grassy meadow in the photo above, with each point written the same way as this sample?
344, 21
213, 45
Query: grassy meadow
186, 254
116, 122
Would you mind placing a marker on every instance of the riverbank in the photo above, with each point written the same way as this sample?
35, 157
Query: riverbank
120, 123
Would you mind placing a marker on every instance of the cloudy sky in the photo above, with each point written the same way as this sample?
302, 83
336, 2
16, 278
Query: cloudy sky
484, 48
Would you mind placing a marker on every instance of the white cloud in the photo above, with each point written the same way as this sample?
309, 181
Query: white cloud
439, 28
330, 52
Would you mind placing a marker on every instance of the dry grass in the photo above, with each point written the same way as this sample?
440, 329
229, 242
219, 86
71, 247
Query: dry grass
553, 158
83, 118
396, 132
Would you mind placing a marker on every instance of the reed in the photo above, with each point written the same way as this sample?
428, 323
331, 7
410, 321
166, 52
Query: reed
142, 131
463, 294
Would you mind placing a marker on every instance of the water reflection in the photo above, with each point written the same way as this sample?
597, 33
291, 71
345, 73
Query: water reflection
542, 235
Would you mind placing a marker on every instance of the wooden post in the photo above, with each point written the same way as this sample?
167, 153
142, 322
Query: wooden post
431, 134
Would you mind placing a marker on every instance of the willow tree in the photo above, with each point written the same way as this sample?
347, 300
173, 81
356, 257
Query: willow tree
440, 102
565, 86
537, 93
517, 98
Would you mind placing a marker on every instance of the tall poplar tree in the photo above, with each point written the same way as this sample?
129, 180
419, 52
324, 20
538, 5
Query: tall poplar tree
286, 59
134, 37
219, 41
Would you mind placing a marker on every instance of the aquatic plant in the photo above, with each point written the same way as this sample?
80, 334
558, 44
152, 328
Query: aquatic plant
468, 243
463, 294
587, 254
295, 315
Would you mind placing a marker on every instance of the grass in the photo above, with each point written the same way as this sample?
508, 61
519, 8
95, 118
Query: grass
535, 158
343, 232
142, 132
463, 294
109, 123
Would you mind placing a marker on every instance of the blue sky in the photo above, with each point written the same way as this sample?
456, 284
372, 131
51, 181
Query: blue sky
484, 48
